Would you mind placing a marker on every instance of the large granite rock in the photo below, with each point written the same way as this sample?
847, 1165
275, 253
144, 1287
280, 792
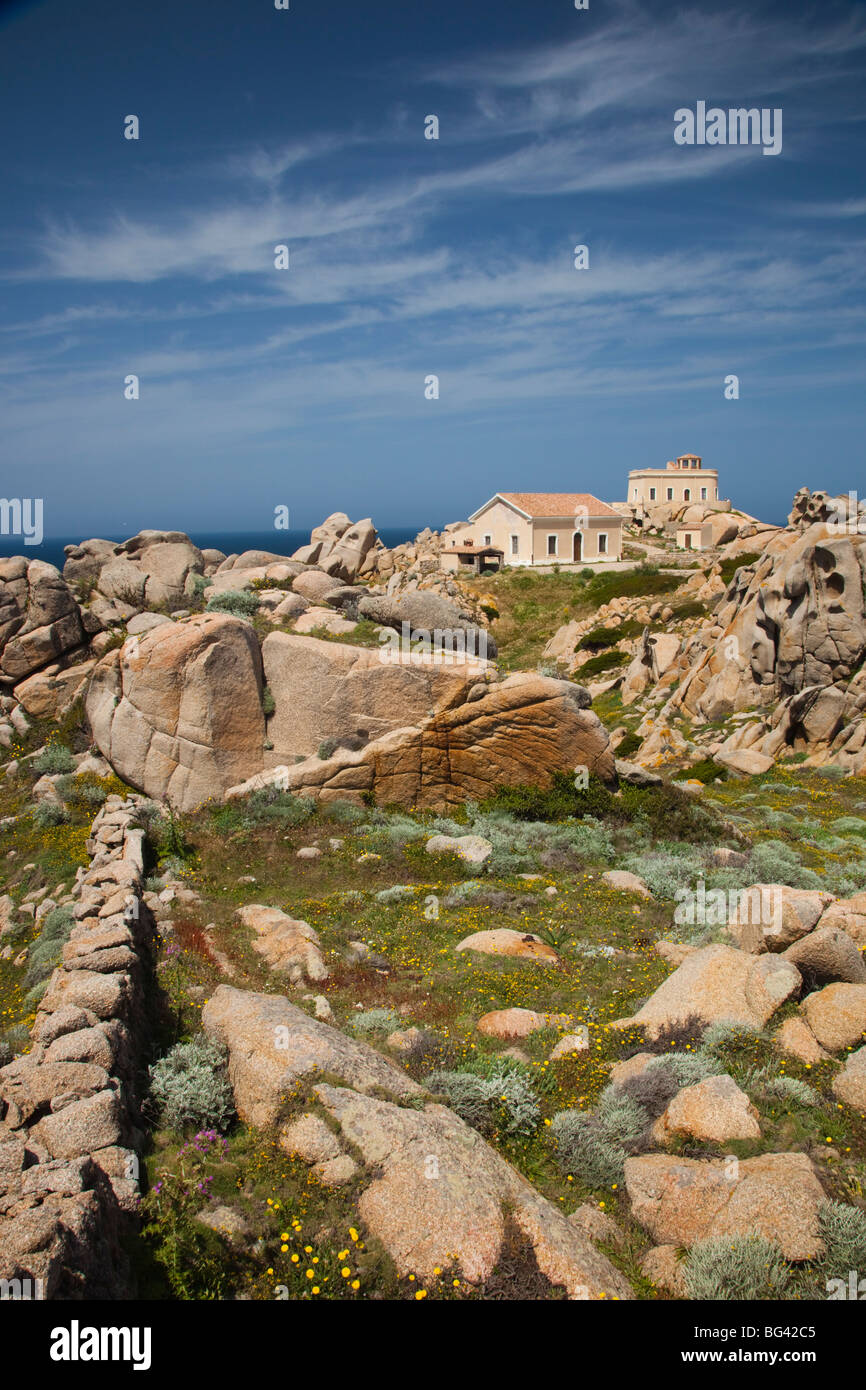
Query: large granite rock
178, 712
684, 1200
438, 1197
152, 568
474, 735
40, 621
272, 1045
719, 983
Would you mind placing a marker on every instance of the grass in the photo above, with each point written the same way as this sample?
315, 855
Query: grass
533, 606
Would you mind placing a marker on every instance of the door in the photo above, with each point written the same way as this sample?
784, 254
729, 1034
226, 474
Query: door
577, 546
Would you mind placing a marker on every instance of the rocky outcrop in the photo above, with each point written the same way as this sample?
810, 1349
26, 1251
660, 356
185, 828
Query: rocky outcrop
178, 712
152, 568
719, 983
433, 1192
290, 947
682, 1200
790, 636
68, 1107
328, 690
40, 620
418, 612
519, 731
273, 1045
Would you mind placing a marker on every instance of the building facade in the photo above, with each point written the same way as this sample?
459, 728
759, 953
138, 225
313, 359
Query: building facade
683, 480
540, 528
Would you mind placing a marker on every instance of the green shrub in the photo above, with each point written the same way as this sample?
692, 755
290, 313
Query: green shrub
849, 825
843, 1231
171, 837
200, 582
585, 1151
787, 1088
344, 812
775, 862
492, 1096
395, 894
326, 749
46, 952
600, 637
704, 771
375, 1021
48, 813
393, 830
628, 745
597, 665
737, 1268
270, 805
667, 869
190, 1088
730, 566
54, 758
269, 704
239, 602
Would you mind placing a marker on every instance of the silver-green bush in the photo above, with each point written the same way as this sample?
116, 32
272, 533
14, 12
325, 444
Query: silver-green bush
190, 1087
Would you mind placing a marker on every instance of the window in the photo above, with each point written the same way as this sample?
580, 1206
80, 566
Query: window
634, 493
552, 545
670, 494
602, 542
652, 494
515, 545
687, 494
703, 494
488, 540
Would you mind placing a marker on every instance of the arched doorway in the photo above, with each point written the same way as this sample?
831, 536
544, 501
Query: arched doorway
577, 547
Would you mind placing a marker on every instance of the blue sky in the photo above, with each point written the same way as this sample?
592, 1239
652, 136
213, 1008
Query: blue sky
410, 257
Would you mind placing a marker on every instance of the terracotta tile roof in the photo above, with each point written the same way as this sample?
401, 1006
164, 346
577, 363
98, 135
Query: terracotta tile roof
558, 504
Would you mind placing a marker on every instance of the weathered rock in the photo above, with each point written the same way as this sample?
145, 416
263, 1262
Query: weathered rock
521, 730
272, 1044
346, 559
152, 568
826, 955
458, 1217
837, 1015
291, 947
39, 619
798, 1040
662, 1266
849, 914
682, 1200
50, 696
502, 941
227, 1222
714, 1111
850, 1084
747, 762
178, 712
313, 585
570, 1045
309, 1138
81, 1127
518, 1023
472, 849
600, 1228
429, 614
327, 690
625, 882
716, 983
772, 916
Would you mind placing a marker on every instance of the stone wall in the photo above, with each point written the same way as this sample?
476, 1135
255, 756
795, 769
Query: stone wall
68, 1108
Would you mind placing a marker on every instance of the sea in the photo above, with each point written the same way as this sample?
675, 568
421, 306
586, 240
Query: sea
229, 542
